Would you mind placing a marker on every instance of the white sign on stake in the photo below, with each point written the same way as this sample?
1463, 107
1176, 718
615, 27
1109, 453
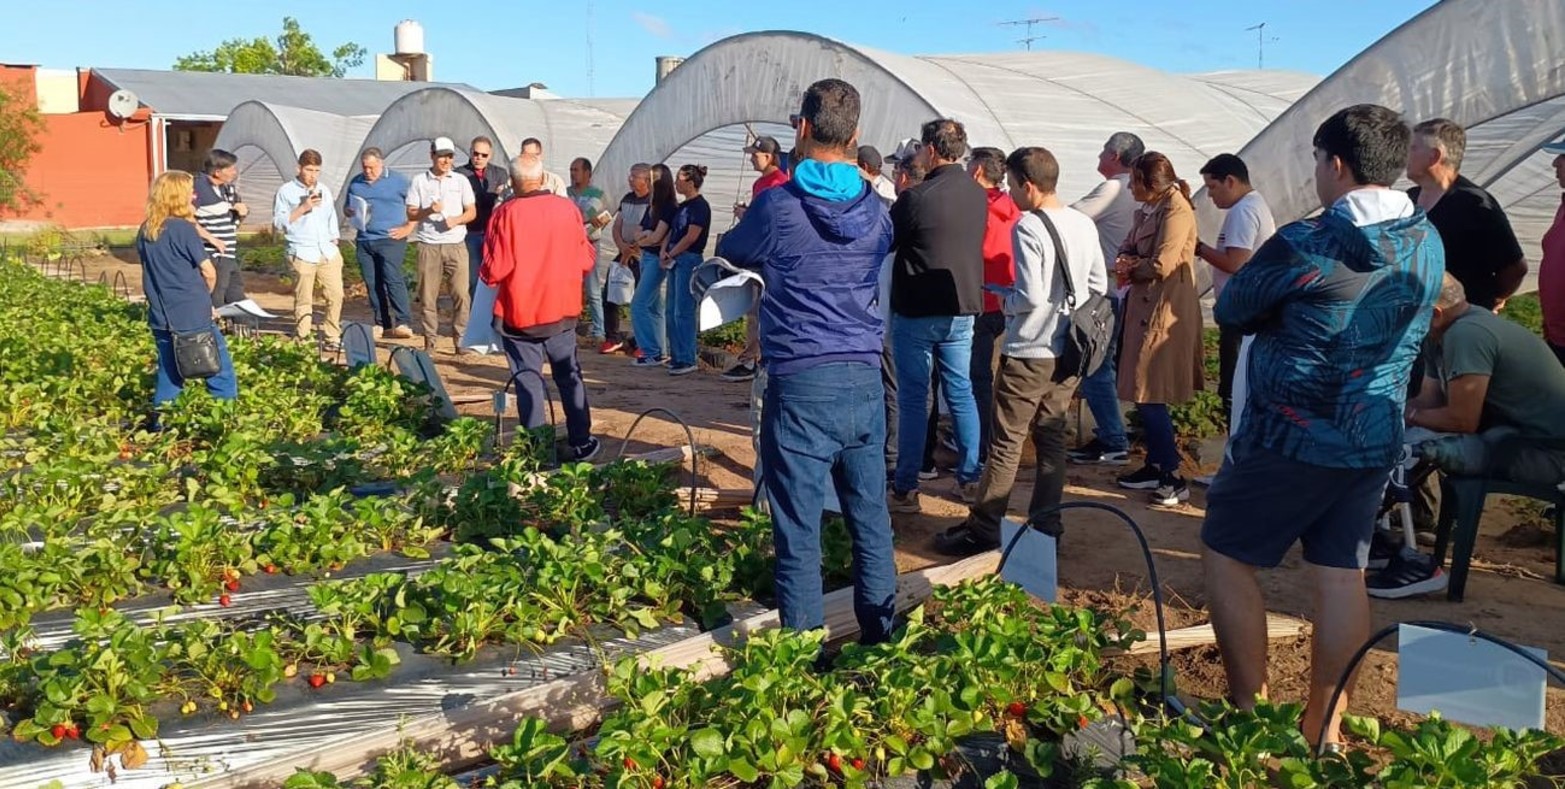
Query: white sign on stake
1468, 679
1031, 564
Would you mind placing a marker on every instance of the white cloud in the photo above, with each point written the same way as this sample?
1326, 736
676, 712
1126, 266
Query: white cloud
652, 24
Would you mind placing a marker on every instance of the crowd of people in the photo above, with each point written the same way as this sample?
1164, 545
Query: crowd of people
1349, 341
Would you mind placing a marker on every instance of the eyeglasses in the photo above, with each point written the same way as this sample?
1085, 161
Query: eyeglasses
478, 155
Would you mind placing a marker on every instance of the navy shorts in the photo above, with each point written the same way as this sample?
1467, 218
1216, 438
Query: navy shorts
1261, 503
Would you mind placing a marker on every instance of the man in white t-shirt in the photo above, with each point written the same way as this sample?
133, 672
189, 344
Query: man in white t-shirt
441, 201
1246, 227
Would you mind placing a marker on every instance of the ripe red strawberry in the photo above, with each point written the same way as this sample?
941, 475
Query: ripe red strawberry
1082, 722
834, 762
73, 733
630, 764
247, 707
1017, 709
317, 680
58, 731
657, 782
224, 600
271, 569
232, 586
858, 762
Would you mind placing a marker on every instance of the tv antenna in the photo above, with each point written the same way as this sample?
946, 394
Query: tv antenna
1029, 38
1260, 43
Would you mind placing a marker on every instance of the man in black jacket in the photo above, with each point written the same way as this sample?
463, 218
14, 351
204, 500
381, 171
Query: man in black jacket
488, 181
936, 289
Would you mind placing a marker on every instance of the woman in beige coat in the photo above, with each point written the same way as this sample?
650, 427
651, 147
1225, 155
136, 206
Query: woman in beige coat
1160, 360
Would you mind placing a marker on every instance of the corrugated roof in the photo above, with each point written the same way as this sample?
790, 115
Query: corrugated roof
205, 93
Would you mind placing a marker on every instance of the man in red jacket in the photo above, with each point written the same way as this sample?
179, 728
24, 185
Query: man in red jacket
987, 167
536, 255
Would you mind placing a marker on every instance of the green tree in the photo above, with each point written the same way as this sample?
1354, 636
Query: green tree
20, 128
292, 53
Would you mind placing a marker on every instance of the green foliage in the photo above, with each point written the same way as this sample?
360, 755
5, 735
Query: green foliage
1526, 310
292, 53
20, 129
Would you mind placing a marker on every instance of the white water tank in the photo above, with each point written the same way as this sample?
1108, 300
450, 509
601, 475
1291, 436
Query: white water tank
666, 65
409, 38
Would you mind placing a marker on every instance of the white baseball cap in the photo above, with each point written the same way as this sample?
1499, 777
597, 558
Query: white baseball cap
442, 145
906, 151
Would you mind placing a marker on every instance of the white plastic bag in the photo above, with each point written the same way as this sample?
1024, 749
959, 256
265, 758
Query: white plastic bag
621, 285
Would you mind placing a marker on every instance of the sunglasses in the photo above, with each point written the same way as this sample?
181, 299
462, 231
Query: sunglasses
477, 155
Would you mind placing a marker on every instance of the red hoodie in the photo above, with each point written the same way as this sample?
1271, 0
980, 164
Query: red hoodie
536, 256
999, 265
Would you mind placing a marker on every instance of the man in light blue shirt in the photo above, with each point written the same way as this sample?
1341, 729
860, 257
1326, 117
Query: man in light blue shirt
304, 212
382, 242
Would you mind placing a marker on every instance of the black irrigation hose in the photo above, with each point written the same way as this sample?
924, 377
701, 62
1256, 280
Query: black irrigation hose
690, 439
1164, 669
511, 383
1470, 632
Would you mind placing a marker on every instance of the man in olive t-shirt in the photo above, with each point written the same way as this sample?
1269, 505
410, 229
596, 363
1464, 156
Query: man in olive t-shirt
1498, 388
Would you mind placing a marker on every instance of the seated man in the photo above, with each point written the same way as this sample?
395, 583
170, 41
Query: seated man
1489, 405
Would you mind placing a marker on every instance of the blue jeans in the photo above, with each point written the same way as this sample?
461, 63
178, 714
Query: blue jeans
475, 259
825, 426
1101, 391
682, 311
918, 344
380, 261
647, 318
1162, 449
169, 383
525, 357
592, 294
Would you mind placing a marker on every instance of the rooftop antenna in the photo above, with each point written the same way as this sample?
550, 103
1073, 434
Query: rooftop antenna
1260, 44
1029, 38
591, 87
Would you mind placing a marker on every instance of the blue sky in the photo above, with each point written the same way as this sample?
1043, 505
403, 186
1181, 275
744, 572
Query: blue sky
516, 42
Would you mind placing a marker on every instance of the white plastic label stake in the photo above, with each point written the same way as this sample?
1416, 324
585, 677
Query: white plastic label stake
1468, 679
1031, 565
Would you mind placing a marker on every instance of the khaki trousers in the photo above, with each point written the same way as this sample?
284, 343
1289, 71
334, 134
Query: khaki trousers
327, 271
1026, 401
435, 263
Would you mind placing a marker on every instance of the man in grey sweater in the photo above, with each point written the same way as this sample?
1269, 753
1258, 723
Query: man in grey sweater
1027, 392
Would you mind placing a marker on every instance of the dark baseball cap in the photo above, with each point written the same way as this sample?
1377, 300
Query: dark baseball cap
764, 145
869, 158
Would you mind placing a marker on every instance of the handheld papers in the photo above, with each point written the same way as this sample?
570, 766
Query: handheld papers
361, 213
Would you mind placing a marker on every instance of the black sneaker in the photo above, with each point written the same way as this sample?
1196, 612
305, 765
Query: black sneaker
961, 540
743, 371
1148, 478
1097, 453
1409, 573
587, 451
1170, 491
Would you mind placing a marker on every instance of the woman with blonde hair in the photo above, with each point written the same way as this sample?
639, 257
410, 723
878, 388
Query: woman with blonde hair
178, 277
1160, 357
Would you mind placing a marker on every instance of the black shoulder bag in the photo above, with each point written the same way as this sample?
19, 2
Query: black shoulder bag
195, 352
1090, 323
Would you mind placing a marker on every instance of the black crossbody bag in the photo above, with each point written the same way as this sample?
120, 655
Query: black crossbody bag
195, 352
1091, 322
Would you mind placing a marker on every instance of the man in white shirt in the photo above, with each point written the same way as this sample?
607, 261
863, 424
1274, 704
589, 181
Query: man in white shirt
304, 212
1245, 228
1028, 395
1112, 207
441, 201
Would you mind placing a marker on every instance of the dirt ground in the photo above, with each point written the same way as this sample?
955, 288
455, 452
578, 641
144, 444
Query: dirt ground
1509, 592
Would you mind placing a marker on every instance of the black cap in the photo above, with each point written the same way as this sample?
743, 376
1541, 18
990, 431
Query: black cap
869, 158
763, 145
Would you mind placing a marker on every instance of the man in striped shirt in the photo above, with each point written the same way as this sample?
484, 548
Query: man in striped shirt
218, 211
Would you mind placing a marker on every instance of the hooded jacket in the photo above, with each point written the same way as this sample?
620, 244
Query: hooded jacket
818, 241
536, 256
999, 263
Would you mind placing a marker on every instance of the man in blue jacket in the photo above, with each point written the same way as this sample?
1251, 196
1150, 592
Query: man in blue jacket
818, 241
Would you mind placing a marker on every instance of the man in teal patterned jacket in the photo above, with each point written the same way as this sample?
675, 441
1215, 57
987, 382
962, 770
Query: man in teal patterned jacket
1338, 305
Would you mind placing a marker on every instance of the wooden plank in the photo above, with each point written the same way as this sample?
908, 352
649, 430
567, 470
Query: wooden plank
717, 498
461, 736
1277, 626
